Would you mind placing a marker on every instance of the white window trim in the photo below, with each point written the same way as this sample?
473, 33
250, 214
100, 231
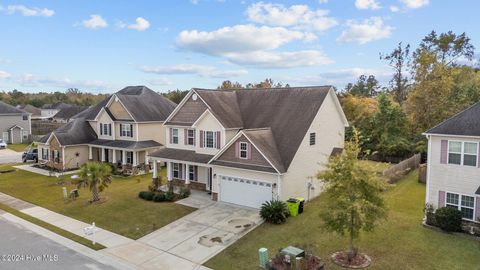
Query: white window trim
205, 140
191, 137
175, 136
193, 173
462, 153
176, 170
459, 206
240, 150
125, 132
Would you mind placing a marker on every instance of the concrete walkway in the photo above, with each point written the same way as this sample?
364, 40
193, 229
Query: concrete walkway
44, 172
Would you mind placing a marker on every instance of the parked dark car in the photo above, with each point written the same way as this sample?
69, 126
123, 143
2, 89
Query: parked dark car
30, 154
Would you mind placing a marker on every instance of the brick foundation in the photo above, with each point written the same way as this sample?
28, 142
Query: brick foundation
192, 185
215, 196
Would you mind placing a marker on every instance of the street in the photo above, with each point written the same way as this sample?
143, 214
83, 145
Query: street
21, 248
10, 156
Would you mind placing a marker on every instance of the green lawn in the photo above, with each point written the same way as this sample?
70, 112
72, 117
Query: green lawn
20, 147
123, 212
401, 242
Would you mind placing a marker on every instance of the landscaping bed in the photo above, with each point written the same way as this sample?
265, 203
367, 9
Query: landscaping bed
399, 242
122, 212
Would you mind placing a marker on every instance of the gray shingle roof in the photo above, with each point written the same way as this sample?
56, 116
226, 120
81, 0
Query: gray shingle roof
265, 141
126, 144
77, 131
9, 109
69, 112
56, 106
243, 166
30, 109
183, 155
288, 112
466, 123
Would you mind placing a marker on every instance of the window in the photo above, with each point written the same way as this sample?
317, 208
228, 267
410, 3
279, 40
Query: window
243, 150
175, 135
25, 134
126, 130
176, 170
462, 153
190, 137
191, 173
25, 117
209, 139
312, 138
464, 203
55, 156
105, 129
129, 157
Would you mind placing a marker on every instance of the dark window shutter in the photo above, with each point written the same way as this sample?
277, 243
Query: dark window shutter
249, 151
180, 171
171, 135
131, 130
195, 177
202, 134
101, 129
110, 129
195, 140
441, 199
444, 151
185, 136
237, 149
217, 139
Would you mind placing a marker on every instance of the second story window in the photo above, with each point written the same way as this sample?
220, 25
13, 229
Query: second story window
126, 130
190, 137
174, 135
25, 117
312, 138
209, 139
462, 153
243, 150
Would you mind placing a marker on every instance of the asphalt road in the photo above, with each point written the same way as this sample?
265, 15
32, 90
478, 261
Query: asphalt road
34, 252
10, 156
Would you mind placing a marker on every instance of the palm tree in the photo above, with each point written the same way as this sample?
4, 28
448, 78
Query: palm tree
96, 176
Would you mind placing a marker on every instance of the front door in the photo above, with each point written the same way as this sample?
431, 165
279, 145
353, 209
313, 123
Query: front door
5, 137
209, 180
107, 158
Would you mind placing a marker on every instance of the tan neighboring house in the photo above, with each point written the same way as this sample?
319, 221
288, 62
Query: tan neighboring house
248, 146
122, 130
453, 170
15, 124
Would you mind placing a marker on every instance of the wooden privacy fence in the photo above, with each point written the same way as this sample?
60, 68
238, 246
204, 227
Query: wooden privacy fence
395, 172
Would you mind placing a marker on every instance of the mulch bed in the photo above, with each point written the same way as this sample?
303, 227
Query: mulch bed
358, 262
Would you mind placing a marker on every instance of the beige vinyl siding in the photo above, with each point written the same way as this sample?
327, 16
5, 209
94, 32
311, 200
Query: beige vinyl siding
104, 118
209, 123
71, 159
450, 177
310, 159
118, 111
152, 131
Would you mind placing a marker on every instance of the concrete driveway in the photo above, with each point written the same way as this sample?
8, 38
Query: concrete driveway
192, 240
10, 156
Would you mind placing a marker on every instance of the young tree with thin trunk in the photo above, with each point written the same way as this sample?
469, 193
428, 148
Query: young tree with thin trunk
399, 60
354, 201
96, 176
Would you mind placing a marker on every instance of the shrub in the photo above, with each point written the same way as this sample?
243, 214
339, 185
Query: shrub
449, 219
146, 195
184, 193
430, 214
169, 196
274, 211
159, 197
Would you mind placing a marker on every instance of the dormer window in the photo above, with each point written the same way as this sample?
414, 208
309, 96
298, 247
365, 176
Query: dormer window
243, 150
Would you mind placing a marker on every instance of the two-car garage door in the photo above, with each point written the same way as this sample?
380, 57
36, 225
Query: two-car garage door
244, 192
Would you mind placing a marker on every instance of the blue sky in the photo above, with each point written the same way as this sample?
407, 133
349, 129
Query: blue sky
102, 46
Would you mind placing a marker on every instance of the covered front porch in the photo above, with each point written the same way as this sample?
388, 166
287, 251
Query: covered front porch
184, 168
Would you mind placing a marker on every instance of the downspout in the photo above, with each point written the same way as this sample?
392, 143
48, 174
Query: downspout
63, 158
429, 159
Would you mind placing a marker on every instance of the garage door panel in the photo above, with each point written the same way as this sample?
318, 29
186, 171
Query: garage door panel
245, 192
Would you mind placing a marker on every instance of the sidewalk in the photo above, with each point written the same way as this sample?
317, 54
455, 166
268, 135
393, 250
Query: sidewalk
104, 237
44, 172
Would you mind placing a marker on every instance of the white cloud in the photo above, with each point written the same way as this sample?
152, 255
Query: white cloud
367, 4
159, 81
201, 70
4, 75
32, 80
394, 9
297, 16
365, 31
140, 24
28, 11
239, 38
95, 21
267, 59
322, 1
415, 3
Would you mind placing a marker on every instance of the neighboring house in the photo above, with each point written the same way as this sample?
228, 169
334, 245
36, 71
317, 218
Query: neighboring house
15, 124
36, 113
66, 114
121, 129
453, 170
49, 110
249, 146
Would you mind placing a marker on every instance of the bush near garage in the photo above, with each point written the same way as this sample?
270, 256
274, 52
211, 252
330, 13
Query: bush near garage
274, 211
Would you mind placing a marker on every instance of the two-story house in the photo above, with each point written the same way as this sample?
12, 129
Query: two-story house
122, 129
15, 124
249, 146
453, 170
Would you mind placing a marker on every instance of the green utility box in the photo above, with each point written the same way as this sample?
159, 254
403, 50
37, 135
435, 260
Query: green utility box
293, 205
301, 204
263, 256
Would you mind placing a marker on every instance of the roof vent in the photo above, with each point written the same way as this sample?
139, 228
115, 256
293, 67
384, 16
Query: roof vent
194, 97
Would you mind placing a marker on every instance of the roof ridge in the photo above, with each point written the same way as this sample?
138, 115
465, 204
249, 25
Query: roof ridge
264, 89
453, 116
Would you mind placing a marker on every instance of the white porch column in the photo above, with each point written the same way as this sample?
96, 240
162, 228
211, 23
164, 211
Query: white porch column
187, 180
124, 157
134, 162
114, 156
90, 154
155, 173
103, 154
169, 171
146, 157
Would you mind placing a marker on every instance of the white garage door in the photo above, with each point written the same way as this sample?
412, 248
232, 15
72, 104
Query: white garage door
244, 192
